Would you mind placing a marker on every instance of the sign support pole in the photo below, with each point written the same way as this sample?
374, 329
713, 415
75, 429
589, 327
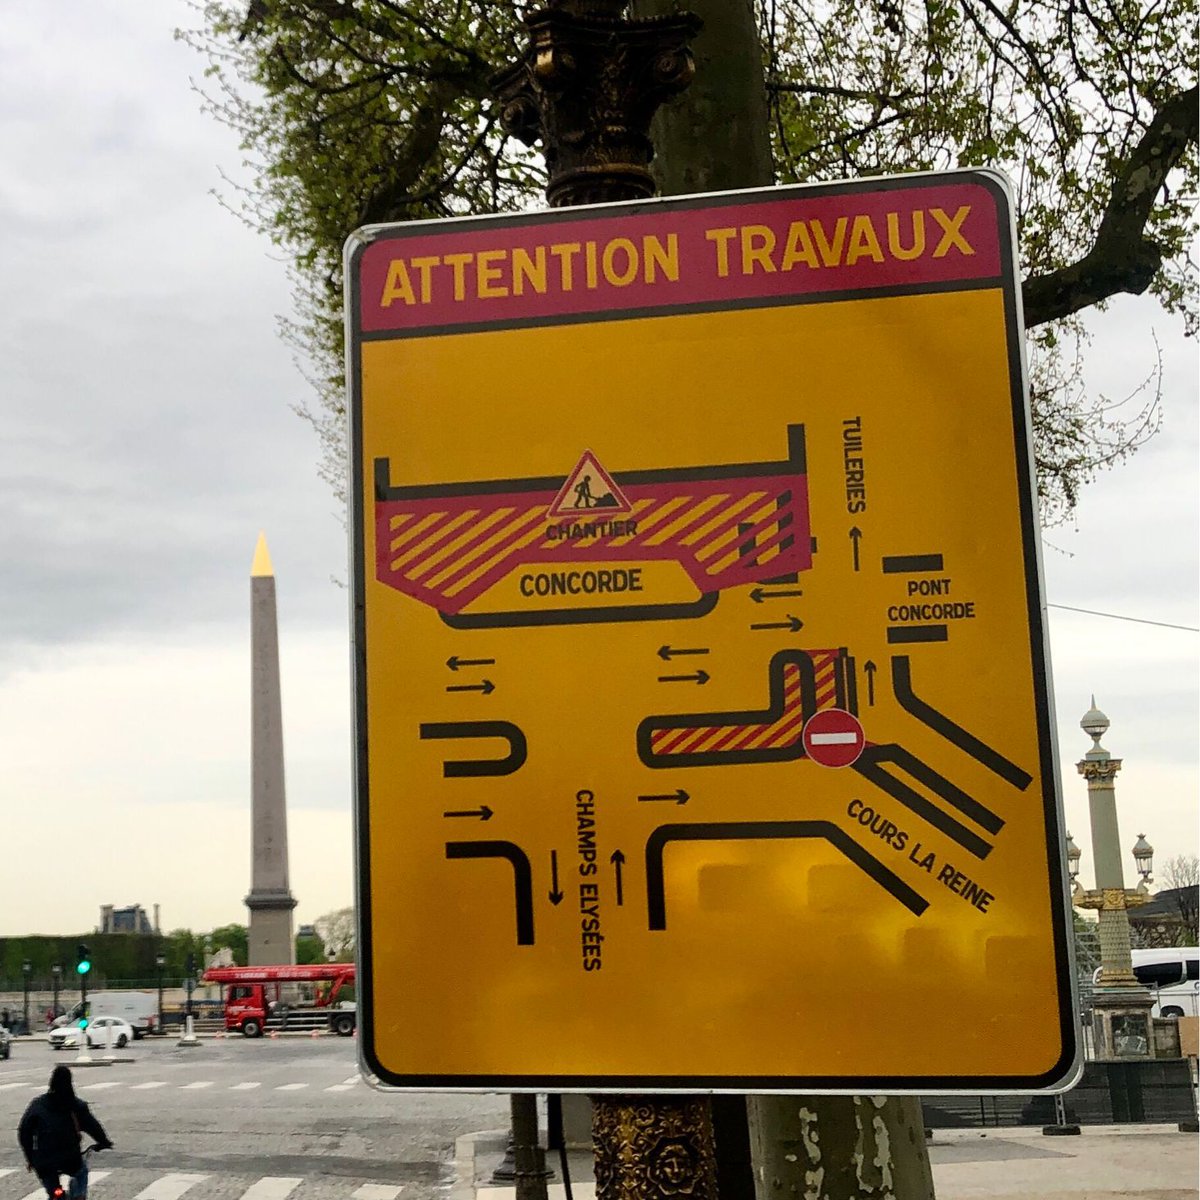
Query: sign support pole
586, 61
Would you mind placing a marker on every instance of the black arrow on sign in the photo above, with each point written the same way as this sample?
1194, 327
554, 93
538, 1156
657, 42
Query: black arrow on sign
679, 796
487, 687
870, 668
454, 662
855, 534
666, 653
482, 812
794, 624
617, 859
556, 896
698, 677
758, 595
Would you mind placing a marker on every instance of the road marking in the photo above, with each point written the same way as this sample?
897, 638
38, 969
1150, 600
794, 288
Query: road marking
154, 1083
98, 1087
6, 1086
339, 1087
169, 1187
375, 1191
352, 1079
272, 1187
40, 1194
200, 1083
291, 1087
5, 1171
244, 1087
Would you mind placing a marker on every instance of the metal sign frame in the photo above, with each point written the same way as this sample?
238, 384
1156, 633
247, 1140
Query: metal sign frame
429, 495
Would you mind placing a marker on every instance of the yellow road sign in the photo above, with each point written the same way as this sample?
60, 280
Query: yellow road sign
702, 705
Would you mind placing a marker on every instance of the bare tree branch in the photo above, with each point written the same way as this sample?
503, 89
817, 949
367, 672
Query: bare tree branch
1122, 258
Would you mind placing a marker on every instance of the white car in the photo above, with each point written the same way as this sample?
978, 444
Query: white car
102, 1033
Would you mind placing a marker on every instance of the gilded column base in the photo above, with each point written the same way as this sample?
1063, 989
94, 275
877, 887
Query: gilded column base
653, 1148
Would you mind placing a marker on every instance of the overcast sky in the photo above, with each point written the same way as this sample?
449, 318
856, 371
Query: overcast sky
149, 435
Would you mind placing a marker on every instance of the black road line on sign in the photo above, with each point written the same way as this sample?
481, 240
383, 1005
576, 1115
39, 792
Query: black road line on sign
584, 616
928, 715
774, 710
870, 765
556, 897
487, 687
941, 786
454, 662
898, 564
618, 861
916, 633
658, 840
482, 813
846, 674
869, 669
466, 768
522, 878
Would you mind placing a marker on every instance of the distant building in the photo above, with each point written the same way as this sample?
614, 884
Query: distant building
1169, 919
132, 919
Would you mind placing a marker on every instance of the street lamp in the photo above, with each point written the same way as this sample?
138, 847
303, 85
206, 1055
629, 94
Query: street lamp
56, 975
159, 963
1121, 1005
26, 971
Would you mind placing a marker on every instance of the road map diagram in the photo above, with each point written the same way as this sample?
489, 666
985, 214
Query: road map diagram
702, 695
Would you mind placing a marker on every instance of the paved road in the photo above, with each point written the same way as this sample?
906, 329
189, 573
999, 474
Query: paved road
271, 1119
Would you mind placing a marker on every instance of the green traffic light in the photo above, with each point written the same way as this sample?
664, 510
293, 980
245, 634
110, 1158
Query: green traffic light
83, 967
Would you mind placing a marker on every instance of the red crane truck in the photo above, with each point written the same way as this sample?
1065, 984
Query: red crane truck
254, 1000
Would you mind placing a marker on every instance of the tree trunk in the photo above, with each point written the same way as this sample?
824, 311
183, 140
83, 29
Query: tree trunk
839, 1148
714, 137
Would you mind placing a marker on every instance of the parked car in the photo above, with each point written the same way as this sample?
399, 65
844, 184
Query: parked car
5, 1043
101, 1033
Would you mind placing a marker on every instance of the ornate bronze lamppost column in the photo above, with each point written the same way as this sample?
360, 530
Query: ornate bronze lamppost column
1121, 1007
586, 89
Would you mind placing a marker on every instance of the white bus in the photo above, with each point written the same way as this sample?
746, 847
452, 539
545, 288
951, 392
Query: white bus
1172, 974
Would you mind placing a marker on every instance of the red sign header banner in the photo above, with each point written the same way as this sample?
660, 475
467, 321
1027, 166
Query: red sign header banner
706, 253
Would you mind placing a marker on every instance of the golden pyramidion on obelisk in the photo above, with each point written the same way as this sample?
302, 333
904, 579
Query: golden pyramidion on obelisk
262, 558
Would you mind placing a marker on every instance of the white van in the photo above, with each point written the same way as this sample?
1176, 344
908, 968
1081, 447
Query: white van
140, 1009
1172, 974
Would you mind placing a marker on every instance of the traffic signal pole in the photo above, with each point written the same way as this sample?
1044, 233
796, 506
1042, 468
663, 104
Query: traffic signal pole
83, 967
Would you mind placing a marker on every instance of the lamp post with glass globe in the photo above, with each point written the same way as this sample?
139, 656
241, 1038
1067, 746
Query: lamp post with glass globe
1121, 1006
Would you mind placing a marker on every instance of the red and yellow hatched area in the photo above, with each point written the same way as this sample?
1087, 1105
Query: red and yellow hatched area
784, 720
448, 550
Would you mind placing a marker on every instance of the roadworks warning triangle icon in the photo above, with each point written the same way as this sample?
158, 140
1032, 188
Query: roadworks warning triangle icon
589, 489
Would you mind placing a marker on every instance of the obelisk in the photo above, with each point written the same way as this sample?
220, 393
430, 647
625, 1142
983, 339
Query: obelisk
270, 900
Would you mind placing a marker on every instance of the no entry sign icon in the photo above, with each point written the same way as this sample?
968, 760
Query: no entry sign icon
833, 738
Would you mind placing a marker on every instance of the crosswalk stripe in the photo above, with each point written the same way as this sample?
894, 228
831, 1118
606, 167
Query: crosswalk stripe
244, 1087
5, 1086
272, 1187
153, 1083
96, 1176
353, 1079
339, 1087
169, 1187
200, 1083
291, 1087
375, 1191
5, 1171
99, 1087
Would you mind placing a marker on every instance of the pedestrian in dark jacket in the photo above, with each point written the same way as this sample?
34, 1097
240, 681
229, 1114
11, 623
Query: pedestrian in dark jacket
50, 1134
